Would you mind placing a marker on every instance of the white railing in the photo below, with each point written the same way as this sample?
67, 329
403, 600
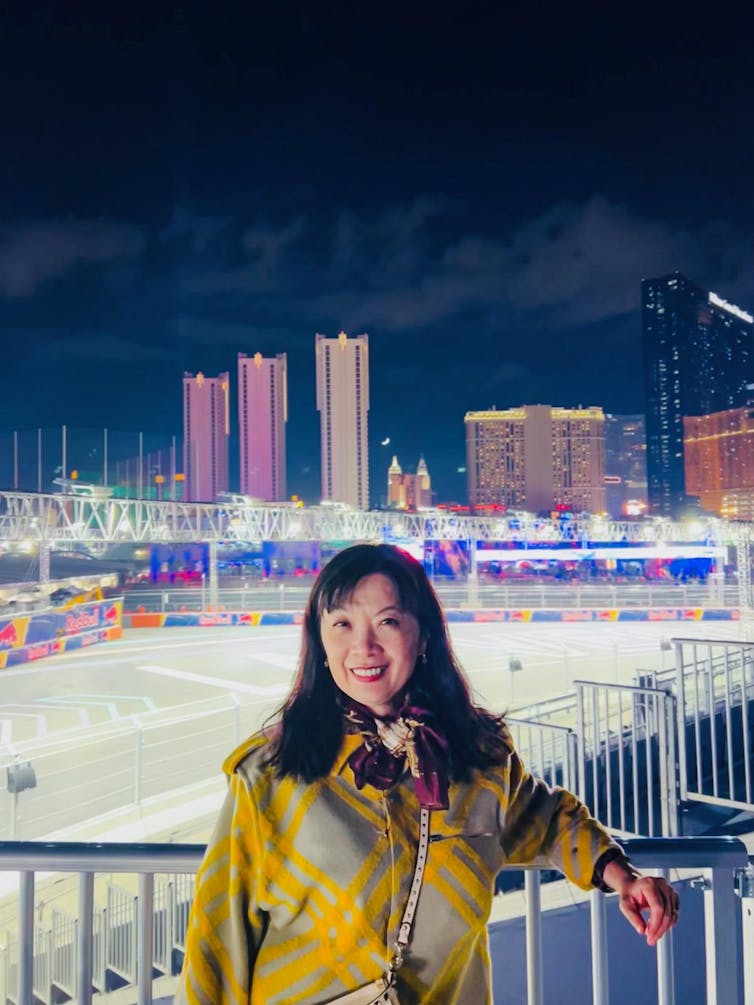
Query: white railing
291, 595
627, 756
714, 682
147, 935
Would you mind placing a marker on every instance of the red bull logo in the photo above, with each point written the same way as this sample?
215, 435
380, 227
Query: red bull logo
9, 635
81, 621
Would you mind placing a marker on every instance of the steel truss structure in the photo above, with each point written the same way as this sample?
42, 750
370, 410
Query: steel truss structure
56, 519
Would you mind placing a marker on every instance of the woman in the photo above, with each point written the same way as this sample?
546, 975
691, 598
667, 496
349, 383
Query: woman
304, 884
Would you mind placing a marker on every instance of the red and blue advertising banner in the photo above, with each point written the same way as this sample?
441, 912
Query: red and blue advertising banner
32, 636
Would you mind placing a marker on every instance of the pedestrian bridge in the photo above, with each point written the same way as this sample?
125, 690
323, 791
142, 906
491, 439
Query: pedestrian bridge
99, 519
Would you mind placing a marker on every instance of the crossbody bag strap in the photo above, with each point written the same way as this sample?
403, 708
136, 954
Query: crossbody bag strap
404, 932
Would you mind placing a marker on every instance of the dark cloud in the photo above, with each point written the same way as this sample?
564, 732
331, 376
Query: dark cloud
35, 251
108, 349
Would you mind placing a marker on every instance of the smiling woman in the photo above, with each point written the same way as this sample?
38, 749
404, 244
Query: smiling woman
355, 857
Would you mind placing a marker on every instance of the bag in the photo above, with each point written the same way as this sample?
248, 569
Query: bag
377, 992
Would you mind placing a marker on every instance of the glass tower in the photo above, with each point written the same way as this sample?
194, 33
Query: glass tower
698, 358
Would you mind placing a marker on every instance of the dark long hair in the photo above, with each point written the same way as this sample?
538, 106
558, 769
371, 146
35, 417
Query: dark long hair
310, 728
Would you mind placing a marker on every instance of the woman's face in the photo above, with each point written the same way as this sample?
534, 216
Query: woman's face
372, 645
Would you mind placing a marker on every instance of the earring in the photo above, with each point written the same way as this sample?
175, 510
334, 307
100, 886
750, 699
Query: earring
327, 665
423, 659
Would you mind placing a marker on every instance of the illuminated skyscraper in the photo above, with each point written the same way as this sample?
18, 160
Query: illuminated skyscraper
719, 459
537, 457
625, 465
205, 436
262, 415
343, 404
698, 359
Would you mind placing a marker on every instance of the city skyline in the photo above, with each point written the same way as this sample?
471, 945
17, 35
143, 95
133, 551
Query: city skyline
481, 190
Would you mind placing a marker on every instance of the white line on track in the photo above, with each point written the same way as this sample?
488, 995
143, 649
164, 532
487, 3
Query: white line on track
112, 659
219, 682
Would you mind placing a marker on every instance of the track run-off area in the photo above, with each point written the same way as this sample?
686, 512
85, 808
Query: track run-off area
159, 670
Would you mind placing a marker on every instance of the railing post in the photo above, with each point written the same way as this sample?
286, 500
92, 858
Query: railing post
145, 940
665, 977
681, 720
745, 889
581, 790
137, 760
600, 984
85, 939
534, 988
26, 937
724, 970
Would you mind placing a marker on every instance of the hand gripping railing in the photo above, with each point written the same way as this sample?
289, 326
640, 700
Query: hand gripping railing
722, 860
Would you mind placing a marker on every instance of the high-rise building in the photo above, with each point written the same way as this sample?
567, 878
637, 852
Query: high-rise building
423, 485
625, 465
206, 422
698, 359
343, 404
408, 491
262, 415
719, 459
537, 457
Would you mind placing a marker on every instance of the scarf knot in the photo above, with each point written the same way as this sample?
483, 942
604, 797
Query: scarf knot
412, 740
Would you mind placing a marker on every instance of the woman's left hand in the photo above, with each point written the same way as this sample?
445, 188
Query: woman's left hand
639, 894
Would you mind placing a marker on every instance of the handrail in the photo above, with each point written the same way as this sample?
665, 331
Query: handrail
720, 857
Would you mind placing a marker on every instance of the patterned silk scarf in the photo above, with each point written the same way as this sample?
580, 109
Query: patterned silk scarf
413, 739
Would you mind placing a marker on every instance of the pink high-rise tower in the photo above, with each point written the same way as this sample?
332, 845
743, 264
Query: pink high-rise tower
205, 436
262, 415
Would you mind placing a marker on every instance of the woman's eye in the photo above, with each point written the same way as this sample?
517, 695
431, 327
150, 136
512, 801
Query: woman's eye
389, 621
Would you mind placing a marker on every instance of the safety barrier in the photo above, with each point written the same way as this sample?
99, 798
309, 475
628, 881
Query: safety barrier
141, 935
32, 636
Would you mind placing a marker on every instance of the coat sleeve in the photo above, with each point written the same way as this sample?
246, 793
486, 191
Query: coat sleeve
549, 827
225, 926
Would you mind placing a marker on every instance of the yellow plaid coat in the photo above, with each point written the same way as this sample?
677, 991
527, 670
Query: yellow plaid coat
303, 886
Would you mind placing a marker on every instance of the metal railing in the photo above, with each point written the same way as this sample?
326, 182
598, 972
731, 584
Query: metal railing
141, 934
627, 757
714, 682
288, 594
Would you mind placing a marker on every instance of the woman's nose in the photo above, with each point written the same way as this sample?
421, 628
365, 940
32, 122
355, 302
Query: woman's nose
365, 639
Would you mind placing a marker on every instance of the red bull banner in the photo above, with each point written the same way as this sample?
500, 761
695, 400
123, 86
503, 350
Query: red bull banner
33, 636
215, 619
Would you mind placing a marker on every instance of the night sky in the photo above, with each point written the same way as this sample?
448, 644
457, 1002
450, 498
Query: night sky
479, 188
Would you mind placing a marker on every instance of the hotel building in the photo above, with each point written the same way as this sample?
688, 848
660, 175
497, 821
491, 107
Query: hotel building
698, 359
342, 366
537, 457
719, 461
408, 491
205, 436
262, 415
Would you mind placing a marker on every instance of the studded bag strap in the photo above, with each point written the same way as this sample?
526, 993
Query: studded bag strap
404, 932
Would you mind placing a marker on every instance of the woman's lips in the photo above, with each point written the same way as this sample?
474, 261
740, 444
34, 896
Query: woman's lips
368, 673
